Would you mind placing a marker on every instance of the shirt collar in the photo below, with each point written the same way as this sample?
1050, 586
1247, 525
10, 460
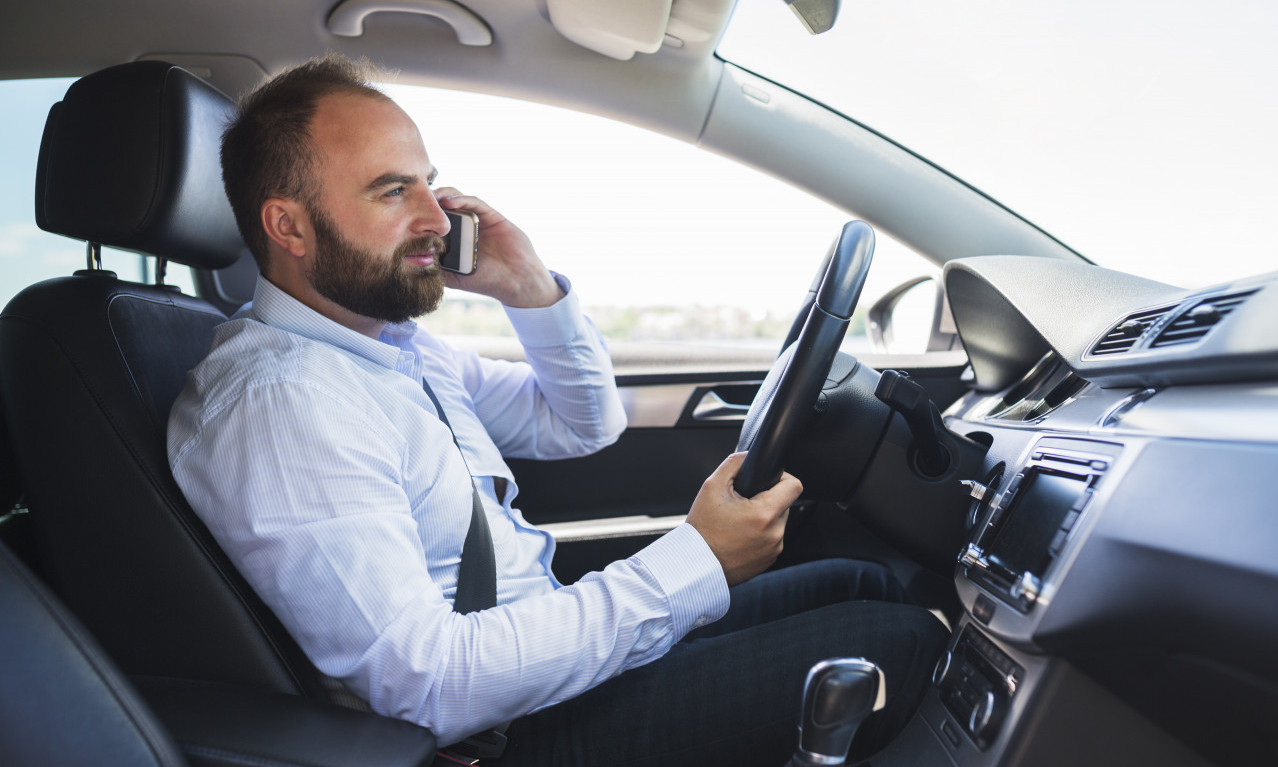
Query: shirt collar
272, 306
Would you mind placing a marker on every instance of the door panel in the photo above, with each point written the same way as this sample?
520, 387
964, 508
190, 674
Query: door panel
608, 505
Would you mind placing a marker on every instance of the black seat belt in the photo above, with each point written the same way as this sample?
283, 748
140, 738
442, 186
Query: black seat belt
476, 590
477, 573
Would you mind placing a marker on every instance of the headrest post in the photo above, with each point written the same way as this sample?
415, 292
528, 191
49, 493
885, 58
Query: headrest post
161, 269
94, 253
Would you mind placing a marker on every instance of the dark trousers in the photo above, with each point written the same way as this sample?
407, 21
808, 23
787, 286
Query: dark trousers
729, 693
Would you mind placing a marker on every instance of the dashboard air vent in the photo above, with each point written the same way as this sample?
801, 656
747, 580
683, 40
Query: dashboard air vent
1125, 334
1193, 325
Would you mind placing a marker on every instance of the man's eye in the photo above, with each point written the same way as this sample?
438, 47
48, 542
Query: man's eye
396, 192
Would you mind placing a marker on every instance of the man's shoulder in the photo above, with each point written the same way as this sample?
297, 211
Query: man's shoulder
257, 375
247, 353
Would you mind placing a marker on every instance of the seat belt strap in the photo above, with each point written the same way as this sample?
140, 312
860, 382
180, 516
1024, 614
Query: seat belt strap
477, 572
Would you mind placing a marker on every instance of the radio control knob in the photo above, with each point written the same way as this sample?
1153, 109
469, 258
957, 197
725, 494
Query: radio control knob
975, 489
971, 556
1027, 586
942, 668
987, 717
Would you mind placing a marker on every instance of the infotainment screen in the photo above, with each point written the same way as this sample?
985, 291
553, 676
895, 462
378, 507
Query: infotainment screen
1028, 526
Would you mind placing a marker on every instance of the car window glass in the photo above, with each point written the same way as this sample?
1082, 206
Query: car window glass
1139, 133
666, 244
27, 253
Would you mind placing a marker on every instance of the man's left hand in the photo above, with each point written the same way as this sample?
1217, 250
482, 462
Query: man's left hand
508, 268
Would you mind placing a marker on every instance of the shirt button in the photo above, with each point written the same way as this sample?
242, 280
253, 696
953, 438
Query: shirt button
701, 621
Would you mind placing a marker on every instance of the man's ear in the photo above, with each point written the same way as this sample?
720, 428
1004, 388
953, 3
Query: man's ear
287, 225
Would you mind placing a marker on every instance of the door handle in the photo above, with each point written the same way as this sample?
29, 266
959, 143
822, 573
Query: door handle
714, 408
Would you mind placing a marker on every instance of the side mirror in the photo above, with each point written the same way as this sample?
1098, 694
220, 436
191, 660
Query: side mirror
913, 318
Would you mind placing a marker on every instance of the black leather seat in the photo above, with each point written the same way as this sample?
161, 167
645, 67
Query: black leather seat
91, 365
89, 368
57, 681
64, 703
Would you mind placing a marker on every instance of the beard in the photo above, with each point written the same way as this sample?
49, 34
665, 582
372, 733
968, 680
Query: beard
368, 283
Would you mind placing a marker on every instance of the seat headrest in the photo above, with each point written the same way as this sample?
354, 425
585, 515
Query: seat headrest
130, 160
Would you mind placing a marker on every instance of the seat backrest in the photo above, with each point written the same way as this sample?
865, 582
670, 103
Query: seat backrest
62, 701
90, 366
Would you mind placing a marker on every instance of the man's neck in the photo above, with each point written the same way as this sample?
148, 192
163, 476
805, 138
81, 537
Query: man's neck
309, 297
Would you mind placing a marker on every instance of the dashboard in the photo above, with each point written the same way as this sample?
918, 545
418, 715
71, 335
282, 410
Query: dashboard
1120, 578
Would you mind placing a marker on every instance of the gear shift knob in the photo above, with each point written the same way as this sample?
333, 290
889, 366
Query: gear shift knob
838, 695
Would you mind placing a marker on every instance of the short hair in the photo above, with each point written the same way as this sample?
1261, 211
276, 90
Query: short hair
267, 149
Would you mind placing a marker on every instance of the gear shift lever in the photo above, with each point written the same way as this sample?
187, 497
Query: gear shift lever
838, 695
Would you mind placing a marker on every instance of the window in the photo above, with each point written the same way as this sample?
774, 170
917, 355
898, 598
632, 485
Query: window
1139, 133
675, 252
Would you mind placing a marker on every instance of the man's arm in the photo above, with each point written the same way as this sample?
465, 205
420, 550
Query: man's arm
564, 402
310, 506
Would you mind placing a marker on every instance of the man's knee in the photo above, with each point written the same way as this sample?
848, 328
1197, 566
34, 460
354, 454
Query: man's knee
860, 580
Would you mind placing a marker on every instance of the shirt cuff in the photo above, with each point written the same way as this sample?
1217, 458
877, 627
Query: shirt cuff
550, 325
690, 576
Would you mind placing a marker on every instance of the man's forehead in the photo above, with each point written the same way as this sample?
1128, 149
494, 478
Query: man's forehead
359, 116
372, 136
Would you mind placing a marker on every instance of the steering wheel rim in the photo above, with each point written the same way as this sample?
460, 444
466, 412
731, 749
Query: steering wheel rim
789, 392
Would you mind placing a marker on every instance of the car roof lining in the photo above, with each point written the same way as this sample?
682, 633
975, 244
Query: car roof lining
685, 92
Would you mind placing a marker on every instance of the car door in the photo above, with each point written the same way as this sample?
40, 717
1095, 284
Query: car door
608, 505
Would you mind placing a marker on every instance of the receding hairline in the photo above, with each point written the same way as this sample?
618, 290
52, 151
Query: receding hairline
351, 113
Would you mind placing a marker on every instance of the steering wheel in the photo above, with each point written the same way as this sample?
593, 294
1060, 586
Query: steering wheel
788, 394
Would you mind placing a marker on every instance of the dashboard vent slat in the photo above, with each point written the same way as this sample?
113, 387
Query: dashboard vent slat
1193, 325
1123, 336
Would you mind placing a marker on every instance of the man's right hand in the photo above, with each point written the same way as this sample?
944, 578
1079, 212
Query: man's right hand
744, 533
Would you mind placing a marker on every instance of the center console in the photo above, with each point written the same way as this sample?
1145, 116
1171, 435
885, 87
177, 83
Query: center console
1017, 553
1016, 544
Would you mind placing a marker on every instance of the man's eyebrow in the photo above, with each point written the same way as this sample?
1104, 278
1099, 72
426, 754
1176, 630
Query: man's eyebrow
390, 179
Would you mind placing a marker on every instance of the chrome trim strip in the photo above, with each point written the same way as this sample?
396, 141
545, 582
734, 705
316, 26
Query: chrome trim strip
618, 527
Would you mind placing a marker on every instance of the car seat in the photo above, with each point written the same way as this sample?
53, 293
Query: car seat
91, 365
56, 680
63, 702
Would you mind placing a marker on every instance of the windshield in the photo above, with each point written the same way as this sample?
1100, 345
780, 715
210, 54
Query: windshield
1140, 134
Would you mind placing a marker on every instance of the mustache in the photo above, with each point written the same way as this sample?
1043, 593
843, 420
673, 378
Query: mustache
421, 245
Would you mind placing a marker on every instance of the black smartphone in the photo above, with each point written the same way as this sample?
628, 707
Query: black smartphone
462, 255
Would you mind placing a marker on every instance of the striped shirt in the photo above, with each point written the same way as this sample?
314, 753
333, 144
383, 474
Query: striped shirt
319, 464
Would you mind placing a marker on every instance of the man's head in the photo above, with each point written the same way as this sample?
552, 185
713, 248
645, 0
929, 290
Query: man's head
330, 186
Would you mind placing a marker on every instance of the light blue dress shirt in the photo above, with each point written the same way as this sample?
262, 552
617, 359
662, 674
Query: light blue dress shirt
320, 466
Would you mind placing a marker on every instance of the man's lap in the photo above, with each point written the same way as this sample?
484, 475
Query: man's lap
729, 693
793, 590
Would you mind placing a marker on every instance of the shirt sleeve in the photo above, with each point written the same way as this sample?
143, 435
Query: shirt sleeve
563, 401
303, 489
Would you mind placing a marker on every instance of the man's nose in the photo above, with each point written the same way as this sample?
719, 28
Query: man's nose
430, 218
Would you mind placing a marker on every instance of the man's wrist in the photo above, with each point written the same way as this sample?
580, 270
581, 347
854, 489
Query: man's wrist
537, 294
549, 326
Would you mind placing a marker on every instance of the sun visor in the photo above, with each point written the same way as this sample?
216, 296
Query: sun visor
620, 30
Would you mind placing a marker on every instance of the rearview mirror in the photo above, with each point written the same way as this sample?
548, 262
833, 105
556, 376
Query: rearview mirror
817, 16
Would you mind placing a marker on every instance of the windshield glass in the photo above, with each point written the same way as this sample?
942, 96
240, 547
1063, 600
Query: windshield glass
1140, 134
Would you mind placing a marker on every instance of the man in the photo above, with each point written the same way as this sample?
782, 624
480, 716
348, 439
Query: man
333, 449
